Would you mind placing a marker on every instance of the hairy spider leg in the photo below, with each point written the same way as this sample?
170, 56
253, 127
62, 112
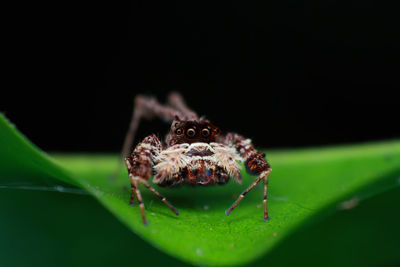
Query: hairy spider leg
266, 218
147, 107
155, 192
262, 176
139, 198
139, 165
255, 164
176, 101
132, 199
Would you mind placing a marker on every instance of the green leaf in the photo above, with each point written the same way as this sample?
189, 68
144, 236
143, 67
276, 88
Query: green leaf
366, 235
47, 229
306, 187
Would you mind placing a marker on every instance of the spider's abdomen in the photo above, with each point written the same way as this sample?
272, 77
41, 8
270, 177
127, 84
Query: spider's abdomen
196, 164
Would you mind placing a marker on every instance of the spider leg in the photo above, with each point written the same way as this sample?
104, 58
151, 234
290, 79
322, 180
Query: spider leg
139, 198
262, 176
145, 107
155, 192
133, 189
176, 101
266, 218
139, 165
255, 163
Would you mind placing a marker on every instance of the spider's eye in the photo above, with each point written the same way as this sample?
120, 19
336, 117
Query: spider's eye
205, 132
190, 132
178, 131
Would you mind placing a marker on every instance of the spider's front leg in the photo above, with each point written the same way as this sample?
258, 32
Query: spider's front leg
139, 164
255, 164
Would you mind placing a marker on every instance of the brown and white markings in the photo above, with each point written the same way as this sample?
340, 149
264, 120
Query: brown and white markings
194, 153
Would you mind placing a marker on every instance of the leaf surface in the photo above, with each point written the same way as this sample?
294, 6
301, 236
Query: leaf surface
305, 186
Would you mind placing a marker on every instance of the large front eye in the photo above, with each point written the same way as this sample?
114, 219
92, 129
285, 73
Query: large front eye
190, 132
205, 132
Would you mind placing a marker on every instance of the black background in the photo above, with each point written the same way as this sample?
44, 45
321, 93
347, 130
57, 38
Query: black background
286, 74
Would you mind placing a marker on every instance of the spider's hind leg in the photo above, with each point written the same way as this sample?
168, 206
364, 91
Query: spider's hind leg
148, 107
176, 101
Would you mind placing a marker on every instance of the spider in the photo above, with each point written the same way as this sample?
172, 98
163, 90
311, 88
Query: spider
194, 152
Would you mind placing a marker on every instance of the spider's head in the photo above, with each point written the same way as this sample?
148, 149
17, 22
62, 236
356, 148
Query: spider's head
191, 131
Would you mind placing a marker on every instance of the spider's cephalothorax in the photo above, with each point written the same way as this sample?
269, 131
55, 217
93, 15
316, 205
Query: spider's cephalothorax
194, 153
191, 131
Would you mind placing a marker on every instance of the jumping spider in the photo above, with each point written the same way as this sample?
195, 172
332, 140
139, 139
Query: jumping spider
194, 153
